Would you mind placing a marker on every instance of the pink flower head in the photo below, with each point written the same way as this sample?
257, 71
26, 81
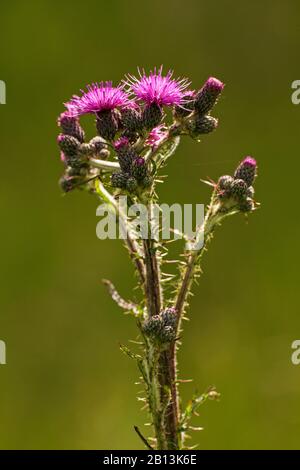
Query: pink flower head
162, 90
215, 84
156, 136
98, 97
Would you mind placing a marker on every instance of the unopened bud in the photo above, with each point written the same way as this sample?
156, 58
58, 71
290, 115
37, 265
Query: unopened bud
207, 97
131, 119
202, 125
131, 184
238, 189
107, 124
139, 168
70, 125
126, 155
246, 170
152, 116
68, 144
119, 180
225, 182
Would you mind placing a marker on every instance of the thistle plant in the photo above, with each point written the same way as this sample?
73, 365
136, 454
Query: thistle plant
139, 125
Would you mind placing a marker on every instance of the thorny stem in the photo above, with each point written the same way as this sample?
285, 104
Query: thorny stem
165, 372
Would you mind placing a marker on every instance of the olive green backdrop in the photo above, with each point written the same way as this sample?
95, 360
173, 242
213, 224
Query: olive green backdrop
66, 384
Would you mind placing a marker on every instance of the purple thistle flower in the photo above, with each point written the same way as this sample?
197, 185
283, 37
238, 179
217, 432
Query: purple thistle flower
98, 97
156, 136
156, 88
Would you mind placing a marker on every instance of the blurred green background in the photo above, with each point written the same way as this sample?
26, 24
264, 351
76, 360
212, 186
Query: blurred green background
66, 384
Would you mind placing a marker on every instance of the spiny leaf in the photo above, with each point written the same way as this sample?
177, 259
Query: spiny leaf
125, 305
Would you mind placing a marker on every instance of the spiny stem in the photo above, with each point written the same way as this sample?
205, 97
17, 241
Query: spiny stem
165, 373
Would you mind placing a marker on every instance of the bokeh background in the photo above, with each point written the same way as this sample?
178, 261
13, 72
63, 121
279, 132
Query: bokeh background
66, 384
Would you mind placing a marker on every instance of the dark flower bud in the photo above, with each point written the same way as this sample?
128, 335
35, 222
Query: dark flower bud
119, 180
131, 184
246, 170
139, 168
147, 182
70, 125
169, 317
131, 120
152, 327
126, 157
225, 182
94, 147
202, 125
107, 124
152, 116
238, 189
68, 144
160, 330
207, 97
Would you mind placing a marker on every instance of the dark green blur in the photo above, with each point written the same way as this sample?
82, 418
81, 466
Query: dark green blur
66, 384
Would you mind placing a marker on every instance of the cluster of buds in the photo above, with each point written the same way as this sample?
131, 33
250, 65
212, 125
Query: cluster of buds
194, 113
130, 121
237, 190
162, 328
134, 174
75, 153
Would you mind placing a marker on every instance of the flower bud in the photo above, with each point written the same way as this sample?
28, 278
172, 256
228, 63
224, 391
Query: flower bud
131, 120
238, 189
246, 170
119, 180
70, 125
152, 327
169, 317
69, 145
107, 124
131, 184
202, 125
126, 155
139, 168
160, 330
207, 97
225, 182
152, 116
94, 147
147, 182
